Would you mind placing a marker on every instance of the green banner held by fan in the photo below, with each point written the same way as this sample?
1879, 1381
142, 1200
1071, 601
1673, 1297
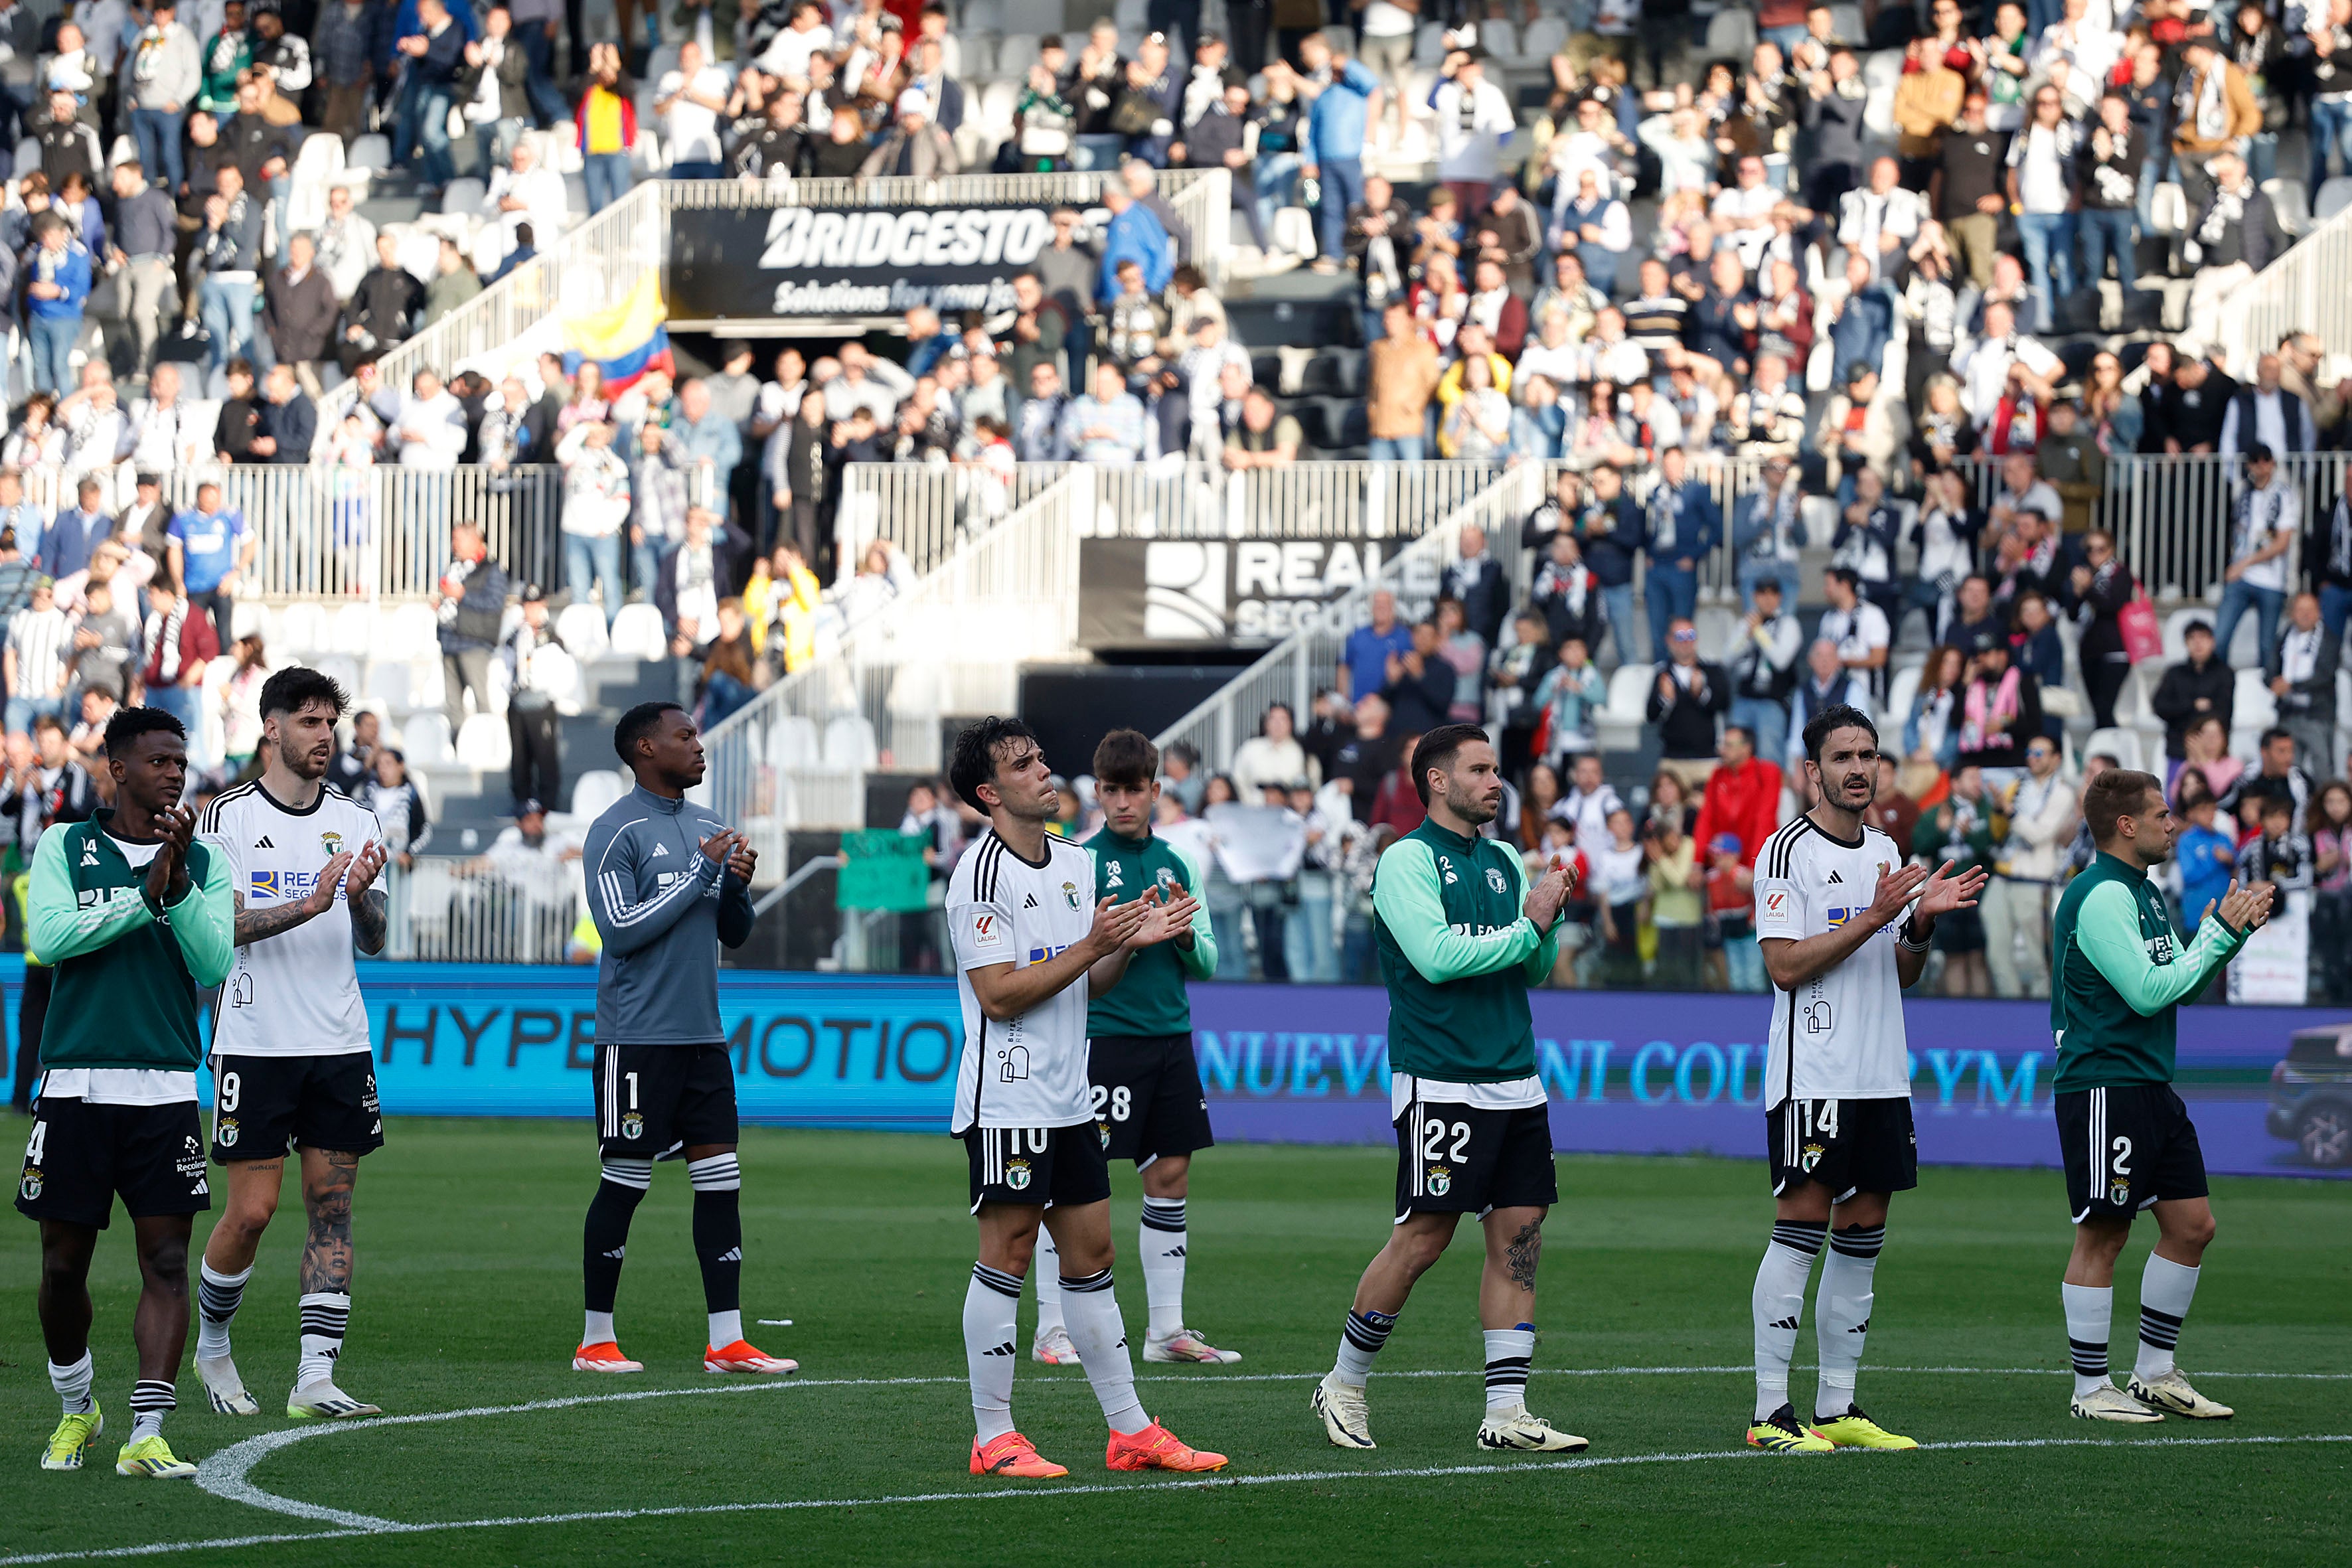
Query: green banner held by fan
883, 871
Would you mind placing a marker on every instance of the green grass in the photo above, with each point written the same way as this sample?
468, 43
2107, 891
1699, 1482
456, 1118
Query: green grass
468, 1295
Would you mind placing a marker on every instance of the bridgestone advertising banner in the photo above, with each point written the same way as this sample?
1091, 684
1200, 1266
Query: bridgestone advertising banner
729, 263
1158, 593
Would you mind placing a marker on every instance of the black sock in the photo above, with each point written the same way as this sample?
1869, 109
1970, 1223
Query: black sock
604, 1239
718, 1244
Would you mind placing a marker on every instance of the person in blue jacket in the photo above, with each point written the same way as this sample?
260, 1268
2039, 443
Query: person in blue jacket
1135, 235
53, 301
1609, 528
1684, 527
1335, 149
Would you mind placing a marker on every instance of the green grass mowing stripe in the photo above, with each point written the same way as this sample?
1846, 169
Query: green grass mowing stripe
1292, 1478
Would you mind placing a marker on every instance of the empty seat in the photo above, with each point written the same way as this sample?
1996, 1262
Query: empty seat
592, 793
464, 194
369, 152
426, 739
1542, 39
388, 683
303, 628
849, 743
794, 743
581, 628
2292, 201
1015, 53
637, 633
483, 743
410, 631
2251, 704
1732, 34
2121, 744
353, 630
2334, 197
1618, 726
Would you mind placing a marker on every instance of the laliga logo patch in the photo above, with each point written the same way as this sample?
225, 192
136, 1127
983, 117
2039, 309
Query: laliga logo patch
1016, 1174
633, 1125
1440, 1181
1810, 1157
225, 1131
32, 1184
1495, 879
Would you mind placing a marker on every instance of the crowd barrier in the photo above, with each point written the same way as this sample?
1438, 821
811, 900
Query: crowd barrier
1628, 1073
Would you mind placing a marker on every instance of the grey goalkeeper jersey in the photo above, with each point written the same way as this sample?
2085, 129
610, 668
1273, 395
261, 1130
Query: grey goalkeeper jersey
662, 908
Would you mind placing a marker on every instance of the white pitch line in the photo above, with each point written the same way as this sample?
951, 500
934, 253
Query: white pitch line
1288, 1477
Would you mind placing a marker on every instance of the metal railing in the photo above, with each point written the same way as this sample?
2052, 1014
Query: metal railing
930, 510
331, 532
2302, 292
797, 755
1292, 671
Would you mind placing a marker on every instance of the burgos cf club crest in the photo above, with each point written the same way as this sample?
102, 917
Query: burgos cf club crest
2118, 1194
1495, 879
1016, 1174
1810, 1157
225, 1131
1439, 1180
633, 1125
334, 841
1070, 894
32, 1184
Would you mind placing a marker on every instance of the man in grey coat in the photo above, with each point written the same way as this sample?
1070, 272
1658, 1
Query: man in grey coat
2301, 670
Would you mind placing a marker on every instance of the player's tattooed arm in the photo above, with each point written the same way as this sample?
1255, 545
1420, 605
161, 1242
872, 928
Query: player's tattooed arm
1526, 1250
254, 925
371, 918
326, 1251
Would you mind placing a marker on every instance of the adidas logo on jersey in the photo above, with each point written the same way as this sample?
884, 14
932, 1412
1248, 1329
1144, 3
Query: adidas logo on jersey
264, 843
1030, 902
661, 851
1835, 877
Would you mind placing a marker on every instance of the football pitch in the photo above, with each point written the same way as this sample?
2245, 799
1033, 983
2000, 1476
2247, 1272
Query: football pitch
466, 1308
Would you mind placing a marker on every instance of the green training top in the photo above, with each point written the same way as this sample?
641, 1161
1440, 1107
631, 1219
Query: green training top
2118, 973
127, 972
1458, 956
1149, 999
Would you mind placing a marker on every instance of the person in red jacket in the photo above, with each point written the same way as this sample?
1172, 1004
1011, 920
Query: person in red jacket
179, 645
1743, 795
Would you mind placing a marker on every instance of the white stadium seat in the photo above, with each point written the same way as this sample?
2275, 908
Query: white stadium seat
483, 743
581, 628
591, 793
637, 633
425, 740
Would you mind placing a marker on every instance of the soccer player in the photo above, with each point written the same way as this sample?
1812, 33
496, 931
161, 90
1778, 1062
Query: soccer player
135, 917
2119, 973
291, 1058
1461, 936
1831, 892
1031, 943
1147, 1085
667, 882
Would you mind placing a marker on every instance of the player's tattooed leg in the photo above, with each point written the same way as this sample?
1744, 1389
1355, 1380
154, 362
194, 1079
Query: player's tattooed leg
1526, 1250
326, 1251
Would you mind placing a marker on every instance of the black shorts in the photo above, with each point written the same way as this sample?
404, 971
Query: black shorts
80, 1155
1147, 1096
1041, 1165
654, 1100
1455, 1159
1847, 1145
263, 1106
2125, 1148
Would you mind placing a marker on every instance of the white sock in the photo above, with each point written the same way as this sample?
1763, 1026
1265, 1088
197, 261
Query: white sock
1509, 1353
73, 1384
2166, 1289
326, 1314
1778, 1305
726, 1328
218, 1296
1091, 1312
1360, 1339
991, 1313
599, 1329
1842, 1314
2090, 1313
1047, 1266
1161, 1244
150, 1399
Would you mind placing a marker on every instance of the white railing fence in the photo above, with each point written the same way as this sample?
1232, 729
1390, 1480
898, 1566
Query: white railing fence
930, 510
458, 909
1293, 669
797, 755
2302, 292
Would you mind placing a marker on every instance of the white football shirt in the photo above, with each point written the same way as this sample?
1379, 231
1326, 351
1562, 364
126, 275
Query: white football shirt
296, 993
1029, 1071
1839, 1036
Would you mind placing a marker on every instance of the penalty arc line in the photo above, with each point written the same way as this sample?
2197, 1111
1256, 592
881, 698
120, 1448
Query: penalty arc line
1292, 1478
226, 1474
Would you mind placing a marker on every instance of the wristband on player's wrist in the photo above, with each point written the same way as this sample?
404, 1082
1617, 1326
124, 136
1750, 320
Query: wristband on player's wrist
1913, 936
